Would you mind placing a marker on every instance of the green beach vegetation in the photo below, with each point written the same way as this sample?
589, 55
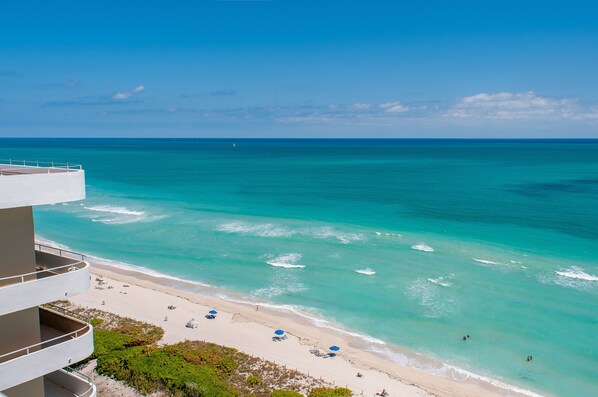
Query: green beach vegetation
129, 351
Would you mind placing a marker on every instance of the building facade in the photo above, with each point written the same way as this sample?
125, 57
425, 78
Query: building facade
37, 339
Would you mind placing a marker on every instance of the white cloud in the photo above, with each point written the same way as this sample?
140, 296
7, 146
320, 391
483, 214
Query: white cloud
361, 106
394, 107
119, 96
513, 106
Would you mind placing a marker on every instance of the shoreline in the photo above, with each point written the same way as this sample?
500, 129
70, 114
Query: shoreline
309, 331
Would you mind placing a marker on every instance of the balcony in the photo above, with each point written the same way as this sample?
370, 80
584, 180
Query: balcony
70, 383
27, 183
66, 338
59, 274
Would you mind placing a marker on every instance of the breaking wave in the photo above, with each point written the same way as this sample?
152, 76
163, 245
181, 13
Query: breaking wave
422, 247
261, 230
112, 215
440, 281
273, 230
575, 272
287, 261
367, 271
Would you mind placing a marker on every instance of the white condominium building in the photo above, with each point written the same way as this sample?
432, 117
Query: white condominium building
38, 340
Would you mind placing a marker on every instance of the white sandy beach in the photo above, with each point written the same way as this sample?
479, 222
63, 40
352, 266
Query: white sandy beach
249, 330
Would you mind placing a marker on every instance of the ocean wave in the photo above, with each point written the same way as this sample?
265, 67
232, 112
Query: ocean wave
367, 271
435, 300
114, 210
326, 232
261, 230
287, 261
388, 234
440, 281
271, 292
577, 273
422, 247
487, 262
113, 215
273, 230
281, 283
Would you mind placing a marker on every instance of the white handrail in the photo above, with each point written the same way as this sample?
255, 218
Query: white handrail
20, 278
82, 377
39, 164
27, 349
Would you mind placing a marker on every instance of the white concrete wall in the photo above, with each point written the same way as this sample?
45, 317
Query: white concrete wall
36, 292
44, 361
38, 189
33, 388
19, 328
72, 382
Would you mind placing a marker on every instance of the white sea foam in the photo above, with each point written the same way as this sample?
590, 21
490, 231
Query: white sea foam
448, 371
422, 247
287, 261
486, 262
327, 232
435, 300
115, 210
367, 271
489, 262
273, 230
576, 272
113, 215
388, 234
440, 281
261, 230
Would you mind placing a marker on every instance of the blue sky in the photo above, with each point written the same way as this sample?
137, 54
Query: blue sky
299, 68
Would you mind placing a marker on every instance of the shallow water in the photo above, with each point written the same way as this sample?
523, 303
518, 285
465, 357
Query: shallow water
413, 242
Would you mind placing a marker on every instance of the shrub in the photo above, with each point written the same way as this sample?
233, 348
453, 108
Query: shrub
330, 392
96, 321
253, 380
286, 393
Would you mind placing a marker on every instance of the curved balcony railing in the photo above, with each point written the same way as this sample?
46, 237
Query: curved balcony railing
59, 273
65, 338
20, 167
69, 382
43, 269
48, 315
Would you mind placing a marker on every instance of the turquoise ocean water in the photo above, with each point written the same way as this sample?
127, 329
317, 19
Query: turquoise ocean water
496, 239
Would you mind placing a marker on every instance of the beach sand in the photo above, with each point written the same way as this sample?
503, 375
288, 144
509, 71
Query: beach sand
250, 330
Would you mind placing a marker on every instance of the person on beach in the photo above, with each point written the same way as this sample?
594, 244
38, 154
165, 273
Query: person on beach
359, 375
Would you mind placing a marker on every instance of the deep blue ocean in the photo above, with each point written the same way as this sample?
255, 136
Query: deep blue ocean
412, 242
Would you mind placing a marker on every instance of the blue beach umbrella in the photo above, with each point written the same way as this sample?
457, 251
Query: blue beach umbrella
334, 348
279, 332
213, 312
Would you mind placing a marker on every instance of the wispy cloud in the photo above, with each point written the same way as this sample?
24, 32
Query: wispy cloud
70, 83
361, 106
394, 107
7, 73
513, 106
122, 95
223, 93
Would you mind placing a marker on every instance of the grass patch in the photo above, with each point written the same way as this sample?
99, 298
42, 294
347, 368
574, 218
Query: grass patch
330, 392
